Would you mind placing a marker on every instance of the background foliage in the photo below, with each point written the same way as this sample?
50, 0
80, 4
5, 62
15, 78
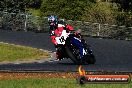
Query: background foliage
101, 11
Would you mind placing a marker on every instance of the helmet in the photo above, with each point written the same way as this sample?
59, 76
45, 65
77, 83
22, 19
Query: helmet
53, 20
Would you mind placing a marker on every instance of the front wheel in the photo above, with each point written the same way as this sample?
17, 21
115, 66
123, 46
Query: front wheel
90, 59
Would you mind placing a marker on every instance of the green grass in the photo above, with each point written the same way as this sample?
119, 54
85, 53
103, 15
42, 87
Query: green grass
15, 52
54, 83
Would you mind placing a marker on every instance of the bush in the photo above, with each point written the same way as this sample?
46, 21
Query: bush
101, 13
72, 9
124, 18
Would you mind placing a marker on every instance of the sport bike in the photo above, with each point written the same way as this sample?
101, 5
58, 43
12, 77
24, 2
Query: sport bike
74, 47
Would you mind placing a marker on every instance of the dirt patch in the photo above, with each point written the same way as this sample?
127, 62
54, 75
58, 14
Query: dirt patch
22, 75
10, 75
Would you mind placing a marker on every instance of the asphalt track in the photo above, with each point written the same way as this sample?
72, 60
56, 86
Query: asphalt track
111, 55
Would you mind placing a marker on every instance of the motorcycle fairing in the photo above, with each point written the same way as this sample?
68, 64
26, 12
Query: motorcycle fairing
77, 42
61, 39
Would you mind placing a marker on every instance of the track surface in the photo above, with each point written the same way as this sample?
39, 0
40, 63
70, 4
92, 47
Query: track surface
111, 55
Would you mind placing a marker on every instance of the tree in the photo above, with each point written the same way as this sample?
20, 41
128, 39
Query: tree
34, 4
125, 4
101, 13
14, 5
69, 9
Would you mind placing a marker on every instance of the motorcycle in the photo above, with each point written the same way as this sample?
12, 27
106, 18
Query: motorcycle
73, 47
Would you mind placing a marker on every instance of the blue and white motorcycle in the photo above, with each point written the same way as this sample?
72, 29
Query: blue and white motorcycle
74, 47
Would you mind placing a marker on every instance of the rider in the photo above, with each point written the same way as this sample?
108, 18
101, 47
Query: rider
56, 28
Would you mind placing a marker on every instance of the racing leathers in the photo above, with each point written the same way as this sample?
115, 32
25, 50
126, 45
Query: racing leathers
57, 31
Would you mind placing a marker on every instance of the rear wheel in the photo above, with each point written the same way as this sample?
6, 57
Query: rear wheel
74, 58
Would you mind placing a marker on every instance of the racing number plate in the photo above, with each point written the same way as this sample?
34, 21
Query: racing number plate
62, 38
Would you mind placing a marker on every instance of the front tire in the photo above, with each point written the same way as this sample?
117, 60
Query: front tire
90, 59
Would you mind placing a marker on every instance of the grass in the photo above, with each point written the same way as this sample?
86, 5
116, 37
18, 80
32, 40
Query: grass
10, 52
54, 83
